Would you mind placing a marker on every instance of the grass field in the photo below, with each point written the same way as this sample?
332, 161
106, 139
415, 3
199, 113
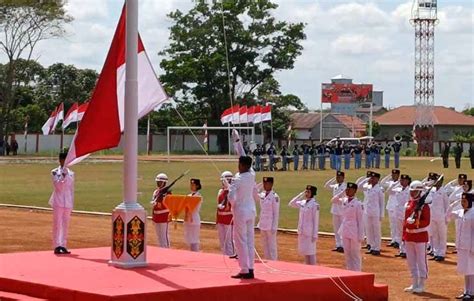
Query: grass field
99, 185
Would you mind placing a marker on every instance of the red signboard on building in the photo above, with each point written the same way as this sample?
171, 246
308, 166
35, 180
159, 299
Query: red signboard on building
346, 93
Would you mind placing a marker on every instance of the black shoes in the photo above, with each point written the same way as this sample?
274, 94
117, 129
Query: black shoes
375, 253
248, 275
439, 258
396, 245
391, 244
401, 255
338, 249
235, 256
465, 297
366, 247
61, 251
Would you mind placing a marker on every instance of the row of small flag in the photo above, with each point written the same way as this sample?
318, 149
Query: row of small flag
243, 114
74, 114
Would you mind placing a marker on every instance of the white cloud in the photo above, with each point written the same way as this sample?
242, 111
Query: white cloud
359, 44
85, 10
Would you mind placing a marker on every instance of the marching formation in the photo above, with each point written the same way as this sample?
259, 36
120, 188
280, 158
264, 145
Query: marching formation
418, 210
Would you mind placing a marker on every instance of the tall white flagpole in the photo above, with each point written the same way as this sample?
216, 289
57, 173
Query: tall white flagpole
129, 211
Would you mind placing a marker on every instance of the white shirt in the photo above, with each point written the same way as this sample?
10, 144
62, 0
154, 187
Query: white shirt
195, 218
336, 188
308, 222
269, 211
403, 196
63, 183
375, 201
439, 204
352, 225
392, 195
243, 195
464, 239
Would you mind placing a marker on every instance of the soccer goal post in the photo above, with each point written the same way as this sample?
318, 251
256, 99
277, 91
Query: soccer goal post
229, 129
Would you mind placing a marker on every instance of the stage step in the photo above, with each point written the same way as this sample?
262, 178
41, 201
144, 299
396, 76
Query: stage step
5, 296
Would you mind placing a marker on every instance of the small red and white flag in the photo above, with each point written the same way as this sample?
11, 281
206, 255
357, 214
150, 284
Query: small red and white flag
236, 114
81, 110
266, 113
206, 137
250, 114
59, 115
243, 115
414, 134
257, 114
71, 115
226, 116
48, 125
103, 121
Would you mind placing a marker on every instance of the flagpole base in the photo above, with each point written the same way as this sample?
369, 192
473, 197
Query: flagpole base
128, 236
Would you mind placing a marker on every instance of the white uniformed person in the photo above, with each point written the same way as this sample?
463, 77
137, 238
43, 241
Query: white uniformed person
62, 202
336, 185
192, 220
374, 213
160, 214
465, 237
242, 196
224, 217
352, 226
403, 196
268, 222
389, 183
308, 223
438, 201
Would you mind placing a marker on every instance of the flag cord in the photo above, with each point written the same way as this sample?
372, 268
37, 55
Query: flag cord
227, 59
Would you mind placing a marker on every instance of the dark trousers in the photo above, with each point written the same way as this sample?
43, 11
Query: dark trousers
445, 162
457, 160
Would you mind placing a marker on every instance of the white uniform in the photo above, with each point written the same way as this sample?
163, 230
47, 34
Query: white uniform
439, 205
242, 196
392, 210
308, 224
465, 239
351, 230
268, 223
62, 202
374, 212
336, 209
455, 204
192, 224
403, 195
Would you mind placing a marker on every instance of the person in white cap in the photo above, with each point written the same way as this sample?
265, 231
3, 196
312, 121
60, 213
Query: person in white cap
62, 202
161, 214
268, 222
224, 217
415, 235
308, 223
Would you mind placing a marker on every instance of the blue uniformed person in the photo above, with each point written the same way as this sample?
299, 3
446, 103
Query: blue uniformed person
396, 153
284, 157
257, 153
347, 150
322, 156
296, 157
313, 152
357, 156
305, 148
368, 164
271, 156
387, 151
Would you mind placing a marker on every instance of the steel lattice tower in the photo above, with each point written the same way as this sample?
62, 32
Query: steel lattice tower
424, 19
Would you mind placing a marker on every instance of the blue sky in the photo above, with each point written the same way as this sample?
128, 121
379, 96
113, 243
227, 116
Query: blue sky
370, 41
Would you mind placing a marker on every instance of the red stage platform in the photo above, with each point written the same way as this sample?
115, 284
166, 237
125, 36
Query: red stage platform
174, 275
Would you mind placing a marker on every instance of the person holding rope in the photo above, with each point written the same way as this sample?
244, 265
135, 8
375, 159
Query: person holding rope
308, 223
352, 227
242, 196
415, 235
62, 202
268, 222
224, 217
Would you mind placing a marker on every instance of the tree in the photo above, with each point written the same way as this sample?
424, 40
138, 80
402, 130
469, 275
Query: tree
244, 31
469, 111
23, 24
375, 128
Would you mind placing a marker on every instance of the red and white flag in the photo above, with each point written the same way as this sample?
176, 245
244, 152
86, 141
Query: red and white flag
266, 113
257, 114
243, 115
206, 137
250, 114
59, 115
71, 115
81, 110
226, 116
103, 122
235, 114
48, 125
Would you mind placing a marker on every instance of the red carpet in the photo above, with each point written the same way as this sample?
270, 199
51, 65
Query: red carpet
174, 275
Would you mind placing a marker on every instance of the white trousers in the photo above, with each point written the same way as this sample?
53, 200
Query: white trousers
269, 242
416, 259
336, 224
191, 233
438, 230
395, 234
244, 242
61, 217
373, 232
352, 254
162, 235
400, 230
469, 284
225, 239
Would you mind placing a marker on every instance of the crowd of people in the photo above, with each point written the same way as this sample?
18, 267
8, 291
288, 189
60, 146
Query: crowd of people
6, 148
418, 211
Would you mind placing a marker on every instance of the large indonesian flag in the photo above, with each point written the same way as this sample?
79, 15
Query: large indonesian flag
103, 121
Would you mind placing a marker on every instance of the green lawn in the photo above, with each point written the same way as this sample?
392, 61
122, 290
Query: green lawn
99, 185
